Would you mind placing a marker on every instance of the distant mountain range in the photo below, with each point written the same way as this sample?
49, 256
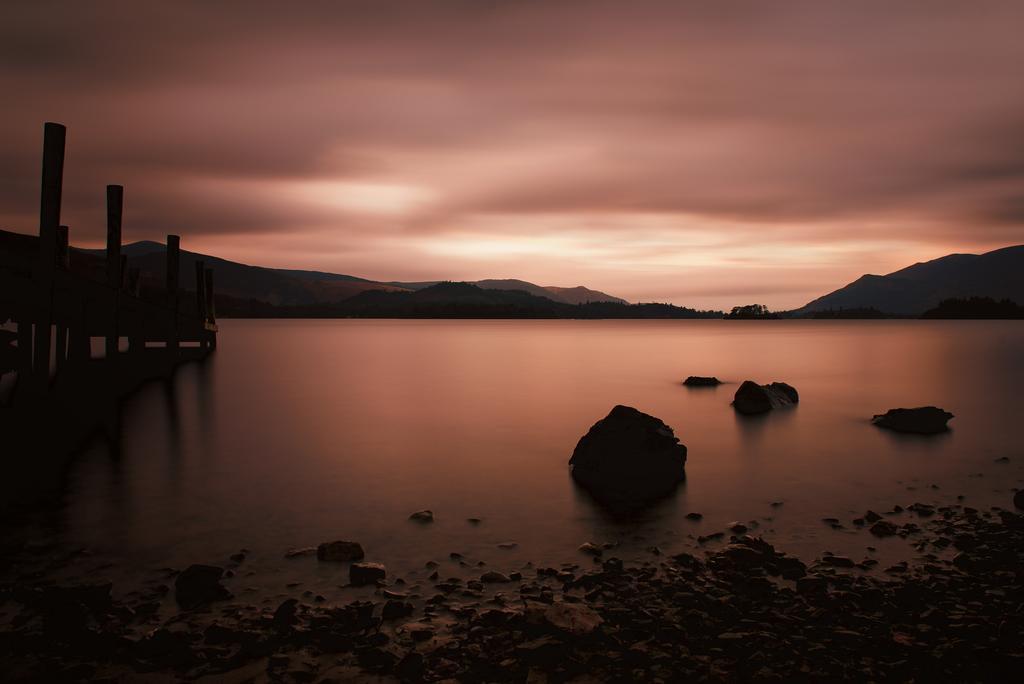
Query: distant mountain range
913, 290
301, 288
258, 291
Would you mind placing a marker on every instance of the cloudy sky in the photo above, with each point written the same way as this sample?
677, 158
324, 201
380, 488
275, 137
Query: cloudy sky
707, 154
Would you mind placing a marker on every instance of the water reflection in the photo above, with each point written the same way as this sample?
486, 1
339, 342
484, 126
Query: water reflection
297, 432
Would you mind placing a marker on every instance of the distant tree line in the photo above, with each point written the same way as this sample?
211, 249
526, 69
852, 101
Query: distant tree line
977, 308
759, 311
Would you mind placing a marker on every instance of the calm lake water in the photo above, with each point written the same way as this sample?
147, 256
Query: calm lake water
298, 432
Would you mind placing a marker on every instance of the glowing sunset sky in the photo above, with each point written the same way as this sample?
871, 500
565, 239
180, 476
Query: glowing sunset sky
707, 154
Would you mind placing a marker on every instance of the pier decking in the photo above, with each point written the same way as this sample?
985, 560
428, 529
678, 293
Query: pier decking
62, 302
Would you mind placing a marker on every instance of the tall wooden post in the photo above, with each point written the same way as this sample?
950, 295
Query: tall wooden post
211, 308
63, 262
201, 299
49, 220
115, 204
173, 273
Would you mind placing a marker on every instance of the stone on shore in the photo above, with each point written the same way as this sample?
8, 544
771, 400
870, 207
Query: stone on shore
702, 381
572, 618
752, 398
361, 574
198, 585
629, 457
924, 420
340, 551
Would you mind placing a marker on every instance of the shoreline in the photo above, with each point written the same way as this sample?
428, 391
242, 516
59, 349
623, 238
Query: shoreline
742, 611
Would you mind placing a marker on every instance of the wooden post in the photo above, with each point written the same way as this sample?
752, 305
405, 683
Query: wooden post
201, 299
63, 262
173, 273
49, 220
63, 248
211, 308
115, 204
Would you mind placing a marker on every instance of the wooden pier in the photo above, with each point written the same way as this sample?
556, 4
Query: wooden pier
84, 336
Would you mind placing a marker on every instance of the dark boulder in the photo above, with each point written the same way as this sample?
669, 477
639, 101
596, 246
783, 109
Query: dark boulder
702, 381
340, 551
1018, 499
752, 398
366, 573
629, 457
924, 420
199, 585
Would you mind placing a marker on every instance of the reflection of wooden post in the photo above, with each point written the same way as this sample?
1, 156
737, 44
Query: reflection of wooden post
115, 204
173, 273
49, 220
63, 261
211, 309
201, 300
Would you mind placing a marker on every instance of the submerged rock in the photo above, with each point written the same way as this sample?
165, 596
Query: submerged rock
702, 381
924, 420
340, 551
752, 398
199, 585
423, 516
629, 457
366, 573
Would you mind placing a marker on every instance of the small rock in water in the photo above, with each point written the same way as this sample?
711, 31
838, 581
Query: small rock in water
340, 551
883, 528
507, 545
1003, 459
591, 549
298, 553
737, 527
198, 585
752, 398
1018, 499
474, 521
694, 516
494, 577
924, 420
423, 516
361, 574
702, 381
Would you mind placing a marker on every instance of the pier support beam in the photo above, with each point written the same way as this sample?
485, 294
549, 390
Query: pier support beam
173, 274
63, 262
115, 205
49, 220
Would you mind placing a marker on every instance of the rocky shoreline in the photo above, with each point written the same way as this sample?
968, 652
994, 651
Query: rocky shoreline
740, 611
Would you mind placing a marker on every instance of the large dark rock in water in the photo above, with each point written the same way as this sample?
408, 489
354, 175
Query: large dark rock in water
199, 585
629, 457
752, 398
702, 381
924, 420
340, 551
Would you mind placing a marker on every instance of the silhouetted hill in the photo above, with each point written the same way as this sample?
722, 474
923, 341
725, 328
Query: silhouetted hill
566, 295
456, 300
290, 287
244, 282
915, 289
